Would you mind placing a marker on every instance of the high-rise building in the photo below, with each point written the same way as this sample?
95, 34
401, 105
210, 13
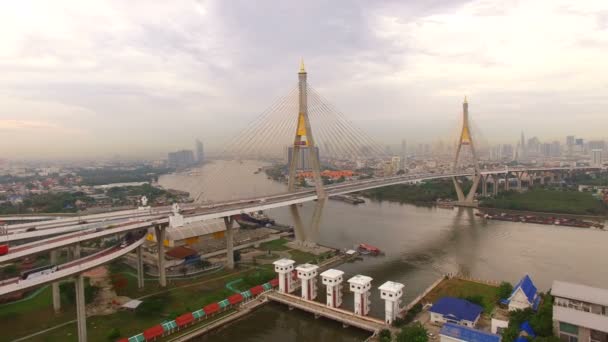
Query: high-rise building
403, 154
303, 161
555, 149
522, 145
396, 163
180, 159
596, 157
200, 152
570, 144
507, 152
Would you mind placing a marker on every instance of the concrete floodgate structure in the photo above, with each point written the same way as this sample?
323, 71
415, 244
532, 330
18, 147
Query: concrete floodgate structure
391, 292
308, 277
361, 286
284, 268
332, 279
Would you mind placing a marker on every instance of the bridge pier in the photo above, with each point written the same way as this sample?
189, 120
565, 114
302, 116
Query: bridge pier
496, 181
76, 251
160, 242
55, 286
484, 186
507, 187
81, 313
519, 175
297, 222
228, 221
531, 177
140, 268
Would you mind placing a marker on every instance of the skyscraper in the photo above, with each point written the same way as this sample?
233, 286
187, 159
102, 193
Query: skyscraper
403, 155
570, 144
522, 145
200, 152
303, 161
180, 159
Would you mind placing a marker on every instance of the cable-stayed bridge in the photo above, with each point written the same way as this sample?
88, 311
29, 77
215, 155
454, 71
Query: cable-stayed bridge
286, 128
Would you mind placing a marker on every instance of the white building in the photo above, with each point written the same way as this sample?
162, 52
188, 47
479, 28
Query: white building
361, 285
580, 312
308, 276
391, 292
284, 269
332, 279
524, 295
455, 310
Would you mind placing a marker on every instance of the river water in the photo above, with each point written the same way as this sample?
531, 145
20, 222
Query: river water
421, 244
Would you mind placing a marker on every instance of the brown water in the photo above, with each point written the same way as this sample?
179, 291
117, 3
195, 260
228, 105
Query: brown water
421, 244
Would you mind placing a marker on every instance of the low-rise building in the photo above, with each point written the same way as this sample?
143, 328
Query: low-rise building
524, 295
455, 310
580, 312
456, 333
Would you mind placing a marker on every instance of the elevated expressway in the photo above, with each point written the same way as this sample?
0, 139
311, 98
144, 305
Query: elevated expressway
227, 208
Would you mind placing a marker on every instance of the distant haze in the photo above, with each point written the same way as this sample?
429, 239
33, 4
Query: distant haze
140, 78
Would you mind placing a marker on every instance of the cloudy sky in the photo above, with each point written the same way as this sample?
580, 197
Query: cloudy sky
140, 78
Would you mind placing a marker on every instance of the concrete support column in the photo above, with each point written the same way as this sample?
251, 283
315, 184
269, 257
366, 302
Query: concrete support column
160, 241
81, 312
484, 186
140, 268
496, 181
531, 179
542, 178
228, 221
55, 286
519, 174
507, 181
76, 251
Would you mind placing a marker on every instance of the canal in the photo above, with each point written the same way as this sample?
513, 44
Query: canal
420, 244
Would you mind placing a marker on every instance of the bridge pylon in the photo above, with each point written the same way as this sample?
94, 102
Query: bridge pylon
466, 139
304, 141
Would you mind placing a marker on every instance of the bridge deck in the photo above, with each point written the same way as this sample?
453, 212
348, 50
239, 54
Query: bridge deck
342, 316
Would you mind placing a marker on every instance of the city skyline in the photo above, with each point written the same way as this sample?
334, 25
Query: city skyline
104, 78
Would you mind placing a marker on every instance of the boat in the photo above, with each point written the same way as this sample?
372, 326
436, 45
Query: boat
366, 249
253, 220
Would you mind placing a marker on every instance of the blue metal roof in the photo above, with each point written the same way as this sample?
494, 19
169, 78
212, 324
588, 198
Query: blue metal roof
521, 339
527, 328
457, 309
468, 334
527, 286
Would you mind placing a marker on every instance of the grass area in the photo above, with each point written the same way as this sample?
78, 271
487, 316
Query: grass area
544, 200
37, 312
24, 318
275, 245
301, 257
463, 288
271, 256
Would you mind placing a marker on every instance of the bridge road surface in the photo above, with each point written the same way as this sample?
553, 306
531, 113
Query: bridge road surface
71, 268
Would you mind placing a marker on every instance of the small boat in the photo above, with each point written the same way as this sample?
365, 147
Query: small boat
366, 249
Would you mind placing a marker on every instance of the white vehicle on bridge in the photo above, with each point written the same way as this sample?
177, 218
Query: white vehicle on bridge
38, 272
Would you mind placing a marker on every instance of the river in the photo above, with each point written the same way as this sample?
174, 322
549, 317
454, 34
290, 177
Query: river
421, 244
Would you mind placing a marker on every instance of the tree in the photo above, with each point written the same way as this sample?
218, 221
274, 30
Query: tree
385, 335
504, 290
414, 333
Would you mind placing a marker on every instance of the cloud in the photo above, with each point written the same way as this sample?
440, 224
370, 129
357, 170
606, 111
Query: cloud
142, 78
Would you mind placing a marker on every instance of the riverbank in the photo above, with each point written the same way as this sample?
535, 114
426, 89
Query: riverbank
424, 193
548, 201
